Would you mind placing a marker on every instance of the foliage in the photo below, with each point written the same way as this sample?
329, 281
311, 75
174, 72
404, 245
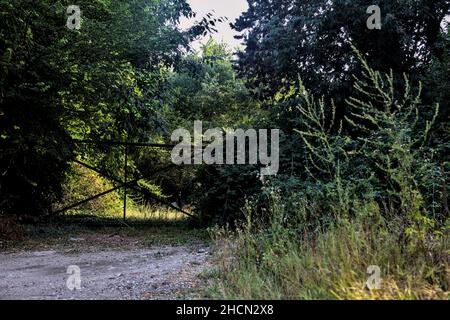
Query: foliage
385, 158
364, 202
82, 183
99, 82
35, 147
277, 262
221, 192
364, 150
312, 38
205, 87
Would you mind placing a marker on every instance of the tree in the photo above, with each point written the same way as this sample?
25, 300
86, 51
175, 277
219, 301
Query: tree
101, 81
286, 39
205, 87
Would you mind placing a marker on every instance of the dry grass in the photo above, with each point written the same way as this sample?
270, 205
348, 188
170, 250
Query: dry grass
271, 264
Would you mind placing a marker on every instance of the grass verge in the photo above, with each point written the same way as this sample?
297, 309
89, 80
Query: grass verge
274, 263
159, 227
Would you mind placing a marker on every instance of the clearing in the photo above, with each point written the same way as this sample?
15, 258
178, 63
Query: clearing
153, 261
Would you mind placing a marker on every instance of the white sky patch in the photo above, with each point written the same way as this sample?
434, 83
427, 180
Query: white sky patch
231, 9
445, 23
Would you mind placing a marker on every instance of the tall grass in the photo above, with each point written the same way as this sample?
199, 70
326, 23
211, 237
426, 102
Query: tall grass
82, 183
364, 202
272, 262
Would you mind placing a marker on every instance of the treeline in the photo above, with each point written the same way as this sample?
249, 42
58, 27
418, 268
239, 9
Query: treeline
364, 115
364, 175
105, 81
128, 75
321, 46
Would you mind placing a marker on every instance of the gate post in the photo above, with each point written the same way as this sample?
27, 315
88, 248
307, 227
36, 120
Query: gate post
125, 185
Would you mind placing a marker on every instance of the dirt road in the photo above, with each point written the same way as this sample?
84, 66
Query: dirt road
158, 272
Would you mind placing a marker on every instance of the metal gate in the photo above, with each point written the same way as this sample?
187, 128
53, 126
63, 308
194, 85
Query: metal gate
125, 184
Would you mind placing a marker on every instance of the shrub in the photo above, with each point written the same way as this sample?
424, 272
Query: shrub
364, 202
82, 183
33, 171
221, 192
276, 263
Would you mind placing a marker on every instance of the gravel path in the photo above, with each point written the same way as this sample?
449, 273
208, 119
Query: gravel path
161, 272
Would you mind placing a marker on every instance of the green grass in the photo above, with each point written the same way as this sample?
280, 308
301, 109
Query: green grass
153, 225
273, 263
145, 226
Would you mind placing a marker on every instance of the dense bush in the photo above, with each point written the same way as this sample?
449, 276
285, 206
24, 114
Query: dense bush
82, 183
278, 262
34, 146
366, 201
100, 82
220, 193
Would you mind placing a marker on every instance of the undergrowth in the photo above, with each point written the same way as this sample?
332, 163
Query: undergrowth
365, 203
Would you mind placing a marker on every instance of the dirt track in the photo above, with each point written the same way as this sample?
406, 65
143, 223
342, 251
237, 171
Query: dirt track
159, 272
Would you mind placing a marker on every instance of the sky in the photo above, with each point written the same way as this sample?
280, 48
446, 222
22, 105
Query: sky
231, 9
